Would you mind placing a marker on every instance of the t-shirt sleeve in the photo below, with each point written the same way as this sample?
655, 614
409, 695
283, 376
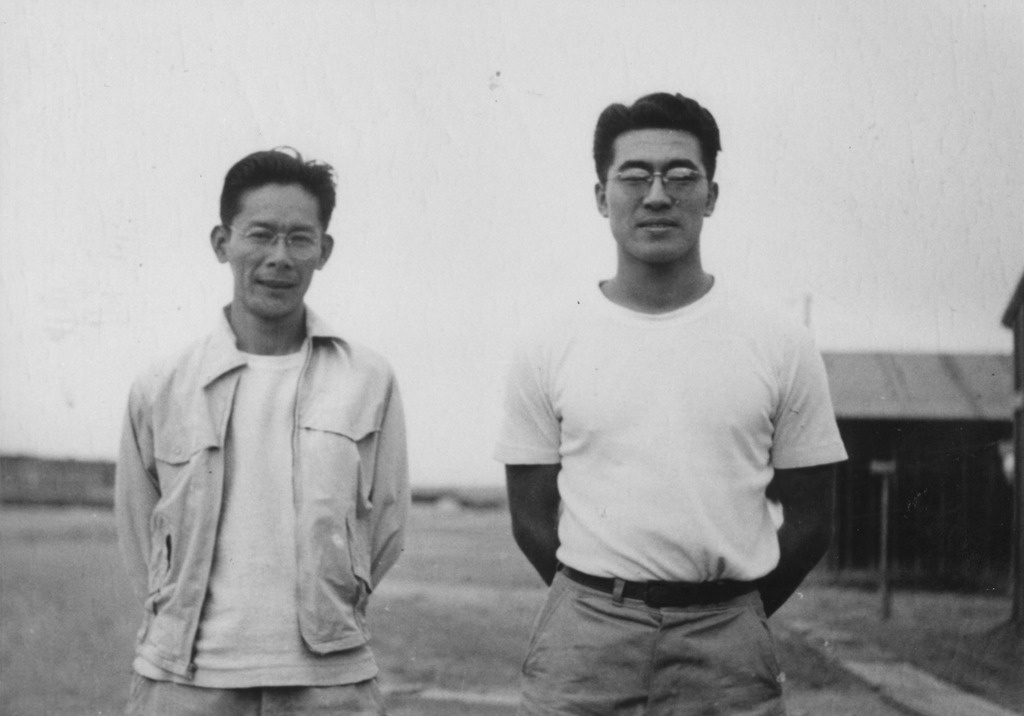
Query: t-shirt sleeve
805, 433
530, 430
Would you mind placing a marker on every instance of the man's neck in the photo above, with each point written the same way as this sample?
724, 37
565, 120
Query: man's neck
264, 337
657, 289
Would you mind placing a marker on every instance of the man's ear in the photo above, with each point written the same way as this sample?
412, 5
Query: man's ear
709, 207
326, 247
219, 237
601, 195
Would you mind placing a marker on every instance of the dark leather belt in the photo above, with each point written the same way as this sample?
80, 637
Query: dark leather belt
666, 594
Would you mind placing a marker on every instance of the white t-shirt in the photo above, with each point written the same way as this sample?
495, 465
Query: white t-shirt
667, 428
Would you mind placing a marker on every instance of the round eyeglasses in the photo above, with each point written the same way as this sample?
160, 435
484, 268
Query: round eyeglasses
676, 182
301, 244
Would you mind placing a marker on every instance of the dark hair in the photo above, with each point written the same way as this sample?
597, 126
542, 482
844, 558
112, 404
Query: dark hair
277, 166
656, 111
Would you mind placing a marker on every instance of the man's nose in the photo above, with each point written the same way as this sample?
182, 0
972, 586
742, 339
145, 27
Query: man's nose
279, 253
656, 194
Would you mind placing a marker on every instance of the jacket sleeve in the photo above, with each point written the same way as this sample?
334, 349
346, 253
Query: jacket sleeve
390, 494
136, 491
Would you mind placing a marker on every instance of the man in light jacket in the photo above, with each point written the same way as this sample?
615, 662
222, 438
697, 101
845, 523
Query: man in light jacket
262, 486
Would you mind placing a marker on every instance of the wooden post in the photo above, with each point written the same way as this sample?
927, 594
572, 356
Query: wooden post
832, 555
1017, 609
886, 469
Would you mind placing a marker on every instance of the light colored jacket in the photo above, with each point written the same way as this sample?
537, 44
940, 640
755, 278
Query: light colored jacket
350, 480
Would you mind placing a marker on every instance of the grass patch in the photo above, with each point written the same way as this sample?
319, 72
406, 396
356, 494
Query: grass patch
455, 615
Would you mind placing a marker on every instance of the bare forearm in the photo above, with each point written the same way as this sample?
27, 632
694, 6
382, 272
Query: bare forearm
806, 495
800, 548
533, 501
539, 542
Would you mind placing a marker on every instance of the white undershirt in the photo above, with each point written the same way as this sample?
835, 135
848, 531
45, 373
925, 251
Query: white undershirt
668, 428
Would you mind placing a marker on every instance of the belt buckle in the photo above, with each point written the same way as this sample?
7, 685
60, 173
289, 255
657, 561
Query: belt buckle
655, 594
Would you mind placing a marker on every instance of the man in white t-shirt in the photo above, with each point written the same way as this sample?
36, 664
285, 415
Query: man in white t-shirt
262, 486
670, 450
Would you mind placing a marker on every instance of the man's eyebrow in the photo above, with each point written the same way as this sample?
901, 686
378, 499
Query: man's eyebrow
635, 164
264, 224
670, 164
688, 163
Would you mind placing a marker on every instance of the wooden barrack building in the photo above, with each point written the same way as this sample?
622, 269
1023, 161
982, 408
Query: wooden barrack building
941, 425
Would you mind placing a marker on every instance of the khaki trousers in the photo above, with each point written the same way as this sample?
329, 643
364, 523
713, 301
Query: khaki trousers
589, 655
165, 698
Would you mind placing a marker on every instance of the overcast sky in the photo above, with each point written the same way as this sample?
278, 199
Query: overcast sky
873, 160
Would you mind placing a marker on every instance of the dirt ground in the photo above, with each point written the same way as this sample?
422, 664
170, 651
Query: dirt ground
450, 622
963, 639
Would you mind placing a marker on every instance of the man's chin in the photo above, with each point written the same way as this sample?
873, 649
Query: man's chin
270, 310
658, 256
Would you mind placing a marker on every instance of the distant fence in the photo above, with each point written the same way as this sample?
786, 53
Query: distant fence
32, 480
43, 481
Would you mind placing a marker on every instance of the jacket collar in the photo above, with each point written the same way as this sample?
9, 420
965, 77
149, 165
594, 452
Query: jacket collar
221, 354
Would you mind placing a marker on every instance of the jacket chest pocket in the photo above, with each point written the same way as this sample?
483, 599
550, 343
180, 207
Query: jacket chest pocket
182, 455
337, 455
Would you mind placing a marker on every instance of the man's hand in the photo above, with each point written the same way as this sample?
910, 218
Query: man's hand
806, 495
533, 501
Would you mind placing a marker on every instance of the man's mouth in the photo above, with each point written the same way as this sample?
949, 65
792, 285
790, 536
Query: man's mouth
657, 224
275, 283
